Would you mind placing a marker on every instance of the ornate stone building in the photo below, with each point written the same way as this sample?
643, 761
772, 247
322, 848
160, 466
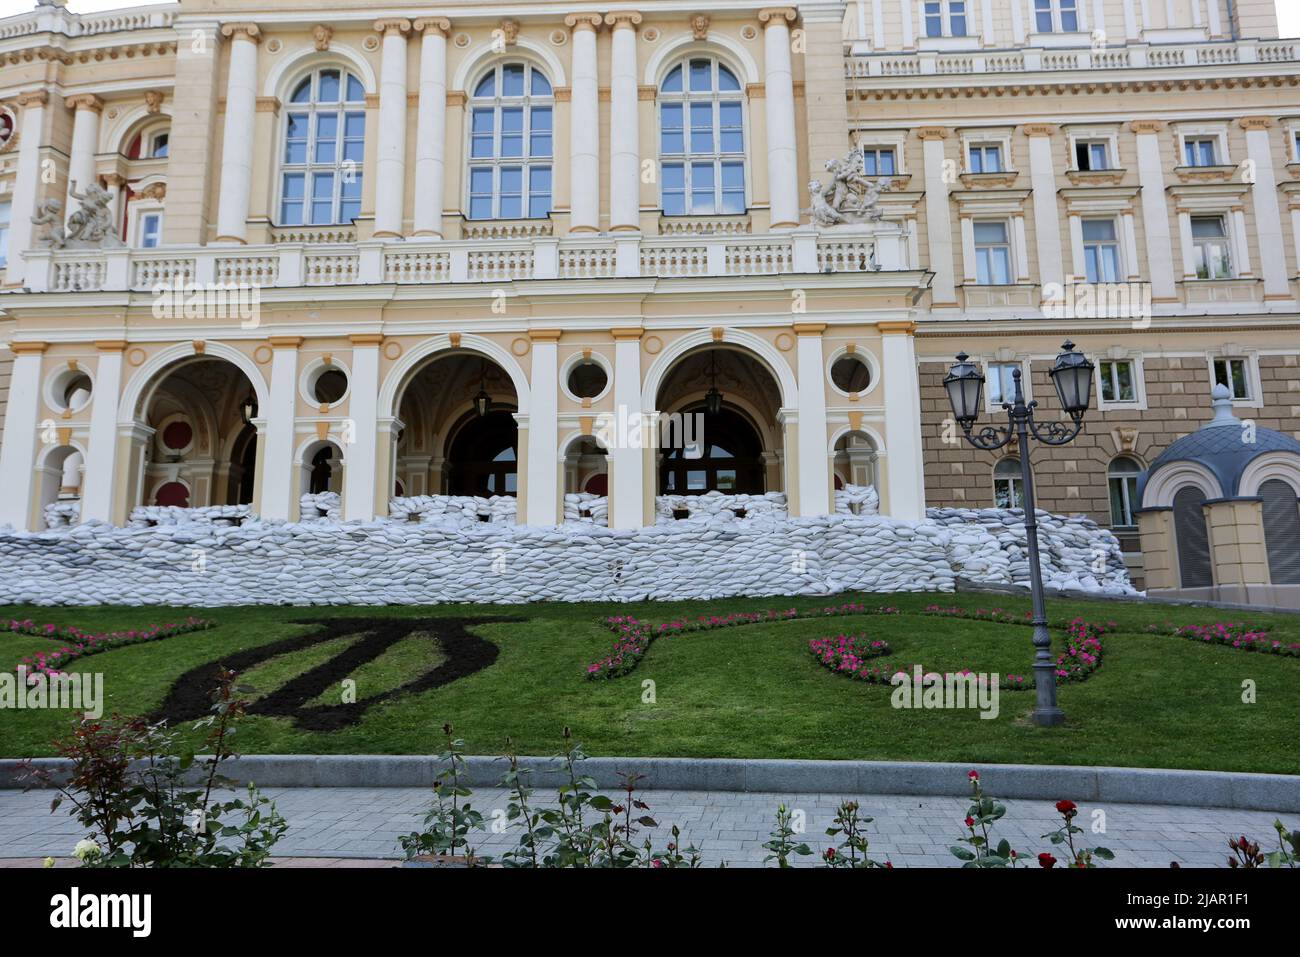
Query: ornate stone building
254, 251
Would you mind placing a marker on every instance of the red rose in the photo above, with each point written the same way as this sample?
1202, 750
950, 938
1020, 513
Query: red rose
970, 821
1046, 860
974, 775
1067, 807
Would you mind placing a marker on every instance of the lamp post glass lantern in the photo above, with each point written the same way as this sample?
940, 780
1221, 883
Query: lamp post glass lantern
1071, 375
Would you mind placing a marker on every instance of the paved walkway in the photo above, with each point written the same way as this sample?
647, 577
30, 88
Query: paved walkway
328, 824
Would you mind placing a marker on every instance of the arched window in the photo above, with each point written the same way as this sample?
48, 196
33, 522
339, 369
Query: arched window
1281, 531
702, 139
324, 145
729, 460
511, 143
1008, 486
1122, 476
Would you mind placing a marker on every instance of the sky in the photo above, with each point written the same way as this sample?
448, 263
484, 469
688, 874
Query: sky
1288, 11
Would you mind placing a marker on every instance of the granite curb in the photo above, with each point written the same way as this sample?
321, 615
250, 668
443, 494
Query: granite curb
1243, 791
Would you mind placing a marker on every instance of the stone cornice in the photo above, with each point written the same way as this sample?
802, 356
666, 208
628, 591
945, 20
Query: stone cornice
809, 328
626, 333
545, 335
366, 338
1003, 89
398, 25
84, 101
28, 348
584, 21
242, 31
896, 327
110, 345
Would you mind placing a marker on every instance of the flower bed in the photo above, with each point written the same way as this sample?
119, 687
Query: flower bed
81, 644
1237, 635
851, 655
633, 637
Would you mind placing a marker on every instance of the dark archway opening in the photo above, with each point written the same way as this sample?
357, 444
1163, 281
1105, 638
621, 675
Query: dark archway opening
727, 459
483, 455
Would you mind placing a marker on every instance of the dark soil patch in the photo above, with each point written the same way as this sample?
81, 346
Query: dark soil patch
191, 696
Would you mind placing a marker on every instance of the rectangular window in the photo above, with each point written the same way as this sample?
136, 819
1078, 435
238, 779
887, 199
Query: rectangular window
512, 193
295, 140
539, 137
291, 199
350, 197
674, 192
1008, 492
733, 187
150, 230
327, 134
6, 213
1210, 248
934, 19
1234, 374
1203, 151
702, 189
480, 192
731, 128
878, 161
985, 158
945, 18
1092, 154
1001, 381
1295, 147
539, 192
322, 198
1056, 16
1118, 381
672, 138
701, 127
1101, 250
992, 254
482, 133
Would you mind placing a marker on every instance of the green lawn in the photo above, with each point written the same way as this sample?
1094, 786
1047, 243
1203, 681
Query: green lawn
748, 691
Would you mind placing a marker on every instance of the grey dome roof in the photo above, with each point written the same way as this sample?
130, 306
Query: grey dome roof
1219, 446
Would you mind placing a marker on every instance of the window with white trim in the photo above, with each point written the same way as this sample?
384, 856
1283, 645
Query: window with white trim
1101, 250
6, 214
945, 18
1092, 155
512, 143
1056, 16
158, 144
1295, 146
1201, 151
1235, 374
1118, 380
702, 139
1122, 478
1000, 382
324, 146
984, 158
1211, 250
993, 253
1008, 484
879, 161
149, 230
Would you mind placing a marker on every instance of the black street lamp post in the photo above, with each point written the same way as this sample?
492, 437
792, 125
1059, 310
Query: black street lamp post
1071, 374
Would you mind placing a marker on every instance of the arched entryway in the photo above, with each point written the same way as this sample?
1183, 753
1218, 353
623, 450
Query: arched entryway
856, 461
197, 445
586, 467
718, 425
458, 431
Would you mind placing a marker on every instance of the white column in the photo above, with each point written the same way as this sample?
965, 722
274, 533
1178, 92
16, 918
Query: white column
908, 36
968, 272
1130, 21
101, 459
877, 24
277, 449
27, 183
1129, 249
904, 460
390, 179
1268, 212
584, 136
939, 219
1022, 249
543, 430
1047, 216
85, 140
1017, 23
1155, 210
1245, 268
1216, 23
237, 138
782, 155
431, 129
363, 403
624, 136
1078, 266
986, 8
814, 465
626, 458
1099, 18
18, 451
1185, 241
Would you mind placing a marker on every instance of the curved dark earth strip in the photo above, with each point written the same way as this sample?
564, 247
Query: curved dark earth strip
190, 697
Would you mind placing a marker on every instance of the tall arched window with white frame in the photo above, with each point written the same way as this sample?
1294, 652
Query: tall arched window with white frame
324, 146
512, 143
702, 139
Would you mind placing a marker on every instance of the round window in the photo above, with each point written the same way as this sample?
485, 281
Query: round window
587, 380
330, 386
177, 436
851, 374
